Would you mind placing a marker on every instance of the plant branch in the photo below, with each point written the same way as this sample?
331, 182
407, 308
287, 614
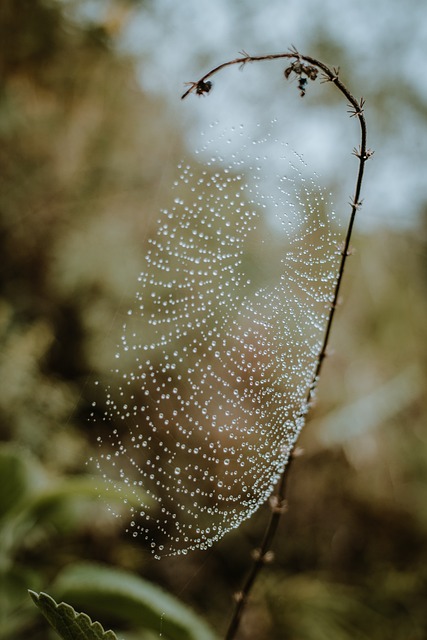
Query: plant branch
304, 68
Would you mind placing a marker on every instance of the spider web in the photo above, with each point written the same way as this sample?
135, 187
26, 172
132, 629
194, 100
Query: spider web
219, 352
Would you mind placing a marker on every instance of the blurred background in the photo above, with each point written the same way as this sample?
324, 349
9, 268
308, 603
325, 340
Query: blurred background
91, 129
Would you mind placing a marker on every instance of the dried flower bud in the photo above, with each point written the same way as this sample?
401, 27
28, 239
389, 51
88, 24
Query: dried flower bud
203, 88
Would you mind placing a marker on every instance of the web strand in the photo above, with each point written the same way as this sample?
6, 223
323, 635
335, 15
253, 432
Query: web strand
218, 356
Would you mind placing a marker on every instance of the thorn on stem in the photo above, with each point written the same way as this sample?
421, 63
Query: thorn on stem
346, 252
330, 78
295, 51
277, 504
356, 204
334, 305
357, 151
357, 110
266, 558
245, 58
298, 452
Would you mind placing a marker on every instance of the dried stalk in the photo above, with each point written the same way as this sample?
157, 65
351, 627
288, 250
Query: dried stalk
304, 68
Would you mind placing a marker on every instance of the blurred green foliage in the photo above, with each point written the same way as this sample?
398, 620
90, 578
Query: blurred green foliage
118, 596
85, 157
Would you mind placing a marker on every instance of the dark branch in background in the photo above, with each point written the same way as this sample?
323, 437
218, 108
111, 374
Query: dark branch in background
304, 68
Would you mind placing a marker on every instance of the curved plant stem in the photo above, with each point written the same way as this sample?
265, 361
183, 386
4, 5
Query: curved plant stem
305, 68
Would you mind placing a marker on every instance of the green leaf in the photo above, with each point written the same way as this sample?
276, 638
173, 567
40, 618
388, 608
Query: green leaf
15, 480
69, 624
57, 502
131, 600
51, 499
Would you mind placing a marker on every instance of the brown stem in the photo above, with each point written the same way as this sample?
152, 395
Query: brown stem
304, 67
262, 555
